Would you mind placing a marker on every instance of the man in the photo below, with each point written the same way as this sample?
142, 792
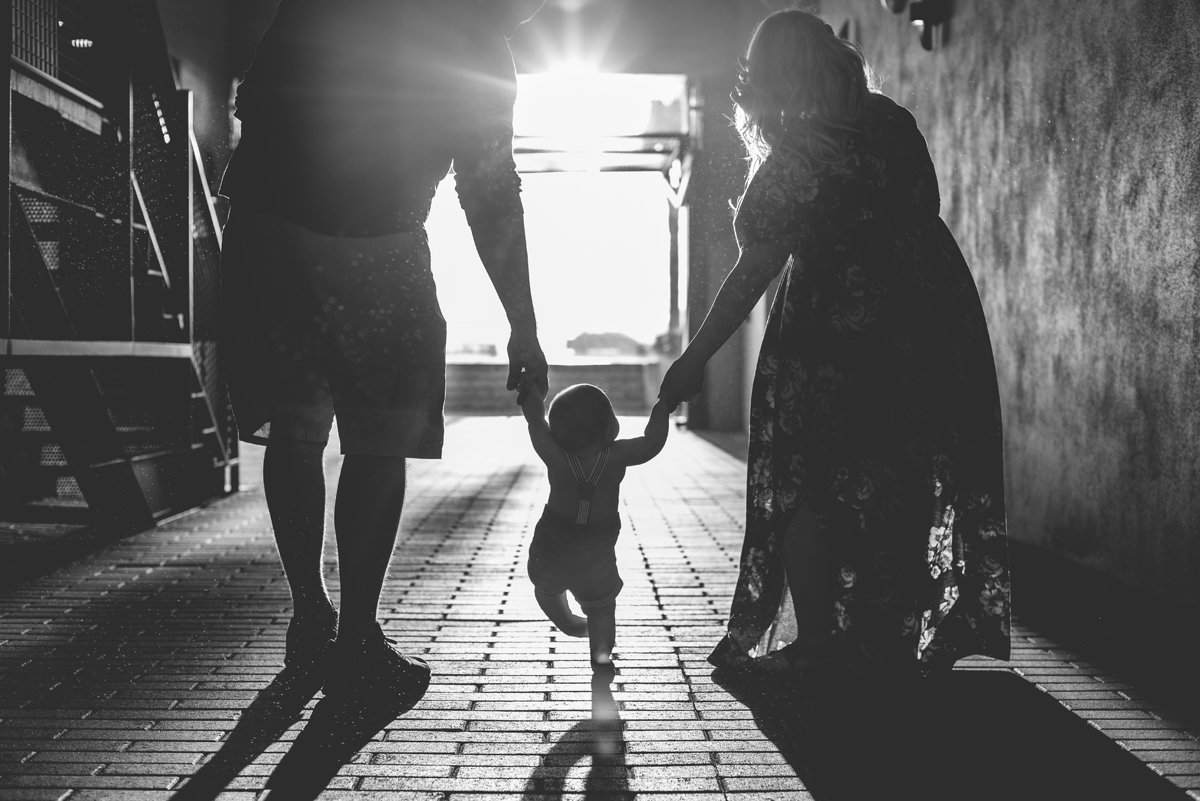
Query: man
353, 111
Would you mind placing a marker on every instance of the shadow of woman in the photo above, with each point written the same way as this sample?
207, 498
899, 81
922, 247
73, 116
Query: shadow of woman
981, 734
276, 709
600, 738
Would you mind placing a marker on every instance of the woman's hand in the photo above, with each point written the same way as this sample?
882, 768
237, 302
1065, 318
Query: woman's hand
683, 381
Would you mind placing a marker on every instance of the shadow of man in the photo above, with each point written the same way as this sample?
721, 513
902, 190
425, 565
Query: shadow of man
275, 710
335, 732
600, 738
986, 735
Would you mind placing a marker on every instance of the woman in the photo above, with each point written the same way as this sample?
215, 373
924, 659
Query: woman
875, 488
353, 111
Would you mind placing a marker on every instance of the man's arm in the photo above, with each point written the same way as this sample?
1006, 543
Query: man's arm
640, 450
501, 245
489, 192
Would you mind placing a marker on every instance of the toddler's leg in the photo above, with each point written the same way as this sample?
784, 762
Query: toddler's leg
602, 634
560, 614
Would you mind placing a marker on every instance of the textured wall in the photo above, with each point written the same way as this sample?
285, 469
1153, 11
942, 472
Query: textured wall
1066, 140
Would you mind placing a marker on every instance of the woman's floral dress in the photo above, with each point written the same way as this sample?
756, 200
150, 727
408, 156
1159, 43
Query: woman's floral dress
875, 403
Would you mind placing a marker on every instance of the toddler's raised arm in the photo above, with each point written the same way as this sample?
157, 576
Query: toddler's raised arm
534, 408
640, 450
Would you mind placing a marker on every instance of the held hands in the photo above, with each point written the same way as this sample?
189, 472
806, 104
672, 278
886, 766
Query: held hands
526, 366
533, 399
660, 421
683, 381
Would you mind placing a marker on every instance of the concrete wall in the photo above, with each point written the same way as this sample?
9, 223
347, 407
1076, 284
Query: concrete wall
1067, 142
476, 387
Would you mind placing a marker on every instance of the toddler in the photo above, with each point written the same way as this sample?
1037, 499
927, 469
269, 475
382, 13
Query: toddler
574, 541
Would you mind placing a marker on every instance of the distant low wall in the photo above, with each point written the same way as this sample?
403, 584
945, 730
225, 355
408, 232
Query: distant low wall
477, 387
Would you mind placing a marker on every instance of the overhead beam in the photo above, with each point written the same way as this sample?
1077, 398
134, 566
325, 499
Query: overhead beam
42, 348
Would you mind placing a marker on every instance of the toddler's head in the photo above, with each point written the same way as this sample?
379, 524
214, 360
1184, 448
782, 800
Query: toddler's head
581, 417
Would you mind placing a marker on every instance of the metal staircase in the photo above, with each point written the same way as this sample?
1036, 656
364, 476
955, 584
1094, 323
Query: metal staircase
113, 409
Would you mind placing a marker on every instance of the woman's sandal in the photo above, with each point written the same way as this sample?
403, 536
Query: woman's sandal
794, 660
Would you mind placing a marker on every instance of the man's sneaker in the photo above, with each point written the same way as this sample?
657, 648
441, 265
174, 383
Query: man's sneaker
309, 642
373, 668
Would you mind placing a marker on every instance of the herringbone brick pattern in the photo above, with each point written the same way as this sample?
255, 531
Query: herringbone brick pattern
131, 672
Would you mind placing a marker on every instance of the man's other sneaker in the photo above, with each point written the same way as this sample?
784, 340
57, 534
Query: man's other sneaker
373, 667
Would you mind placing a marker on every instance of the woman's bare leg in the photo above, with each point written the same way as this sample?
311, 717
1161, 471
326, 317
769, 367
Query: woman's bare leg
556, 609
808, 562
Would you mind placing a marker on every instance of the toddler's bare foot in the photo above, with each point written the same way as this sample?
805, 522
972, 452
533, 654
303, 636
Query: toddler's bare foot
606, 719
603, 668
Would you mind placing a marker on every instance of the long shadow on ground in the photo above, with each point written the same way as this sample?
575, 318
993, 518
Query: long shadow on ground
273, 712
332, 737
982, 735
600, 738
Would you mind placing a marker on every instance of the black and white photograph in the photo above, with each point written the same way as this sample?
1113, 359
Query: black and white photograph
607, 400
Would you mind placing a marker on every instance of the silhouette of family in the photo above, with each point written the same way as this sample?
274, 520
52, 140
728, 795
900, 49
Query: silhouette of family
875, 513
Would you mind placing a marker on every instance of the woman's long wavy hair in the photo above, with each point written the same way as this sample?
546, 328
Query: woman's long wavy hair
801, 89
509, 14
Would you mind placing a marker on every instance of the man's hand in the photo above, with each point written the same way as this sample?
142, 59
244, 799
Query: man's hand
526, 366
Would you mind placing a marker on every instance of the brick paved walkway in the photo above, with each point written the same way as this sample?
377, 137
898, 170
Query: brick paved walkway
133, 670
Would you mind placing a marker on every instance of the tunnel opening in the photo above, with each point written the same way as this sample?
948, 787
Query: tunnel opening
604, 160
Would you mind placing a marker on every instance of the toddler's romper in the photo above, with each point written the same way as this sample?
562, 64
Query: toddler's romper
578, 555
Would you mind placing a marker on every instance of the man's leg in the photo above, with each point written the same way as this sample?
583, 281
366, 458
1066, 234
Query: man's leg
370, 498
294, 483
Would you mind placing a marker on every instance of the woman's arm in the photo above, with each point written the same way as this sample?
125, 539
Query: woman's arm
758, 263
